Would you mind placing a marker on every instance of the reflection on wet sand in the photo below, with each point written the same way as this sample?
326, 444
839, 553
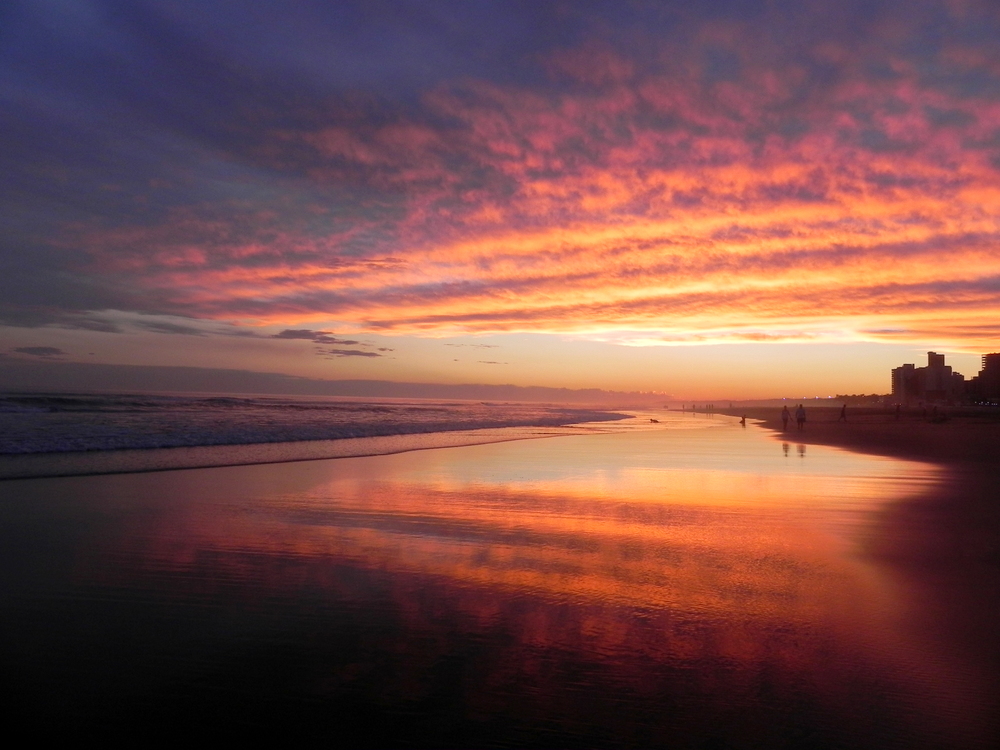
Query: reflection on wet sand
619, 590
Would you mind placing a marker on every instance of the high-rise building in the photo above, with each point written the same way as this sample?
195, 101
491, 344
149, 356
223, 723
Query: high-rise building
934, 383
986, 385
905, 384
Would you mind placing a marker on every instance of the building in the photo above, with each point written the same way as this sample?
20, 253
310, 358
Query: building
986, 385
935, 383
905, 384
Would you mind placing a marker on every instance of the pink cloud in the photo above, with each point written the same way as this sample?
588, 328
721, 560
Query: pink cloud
655, 200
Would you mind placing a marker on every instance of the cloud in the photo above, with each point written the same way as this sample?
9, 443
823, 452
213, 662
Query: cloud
159, 326
325, 337
317, 337
649, 178
347, 353
45, 352
88, 323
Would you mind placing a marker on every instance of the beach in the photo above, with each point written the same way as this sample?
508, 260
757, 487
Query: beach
961, 519
946, 540
964, 437
687, 584
363, 373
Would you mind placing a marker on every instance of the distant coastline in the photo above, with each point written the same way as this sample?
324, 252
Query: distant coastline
18, 375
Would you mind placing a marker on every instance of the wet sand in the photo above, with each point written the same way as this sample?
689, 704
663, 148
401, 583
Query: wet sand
690, 588
944, 543
961, 519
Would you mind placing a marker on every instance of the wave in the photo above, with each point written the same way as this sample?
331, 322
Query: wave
62, 423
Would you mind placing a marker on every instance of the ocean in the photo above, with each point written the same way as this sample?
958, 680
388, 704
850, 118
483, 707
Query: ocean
52, 434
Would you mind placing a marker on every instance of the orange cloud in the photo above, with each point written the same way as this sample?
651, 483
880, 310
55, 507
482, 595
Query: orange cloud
646, 207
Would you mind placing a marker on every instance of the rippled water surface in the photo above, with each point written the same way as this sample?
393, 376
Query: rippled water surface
47, 423
703, 587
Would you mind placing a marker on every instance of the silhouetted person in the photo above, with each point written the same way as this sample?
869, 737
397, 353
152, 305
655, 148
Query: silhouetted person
785, 416
743, 421
843, 413
800, 416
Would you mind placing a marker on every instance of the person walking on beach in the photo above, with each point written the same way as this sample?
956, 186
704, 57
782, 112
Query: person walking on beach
800, 416
843, 413
785, 416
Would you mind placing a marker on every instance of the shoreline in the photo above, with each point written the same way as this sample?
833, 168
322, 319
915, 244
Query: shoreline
957, 522
964, 439
144, 460
952, 531
943, 543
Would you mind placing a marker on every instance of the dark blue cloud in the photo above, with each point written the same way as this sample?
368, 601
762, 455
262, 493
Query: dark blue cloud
317, 337
46, 352
332, 353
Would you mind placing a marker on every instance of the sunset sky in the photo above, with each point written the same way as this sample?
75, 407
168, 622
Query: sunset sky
712, 200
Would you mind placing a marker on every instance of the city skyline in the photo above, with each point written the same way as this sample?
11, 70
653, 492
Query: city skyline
731, 201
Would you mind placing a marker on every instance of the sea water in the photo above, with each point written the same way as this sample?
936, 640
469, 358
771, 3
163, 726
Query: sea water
58, 434
691, 584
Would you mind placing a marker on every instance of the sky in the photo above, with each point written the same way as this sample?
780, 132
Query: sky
708, 200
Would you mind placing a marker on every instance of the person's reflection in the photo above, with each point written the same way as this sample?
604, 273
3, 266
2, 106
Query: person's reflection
801, 449
784, 447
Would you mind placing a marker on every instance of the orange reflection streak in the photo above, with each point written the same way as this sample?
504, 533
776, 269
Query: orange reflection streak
697, 566
702, 540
